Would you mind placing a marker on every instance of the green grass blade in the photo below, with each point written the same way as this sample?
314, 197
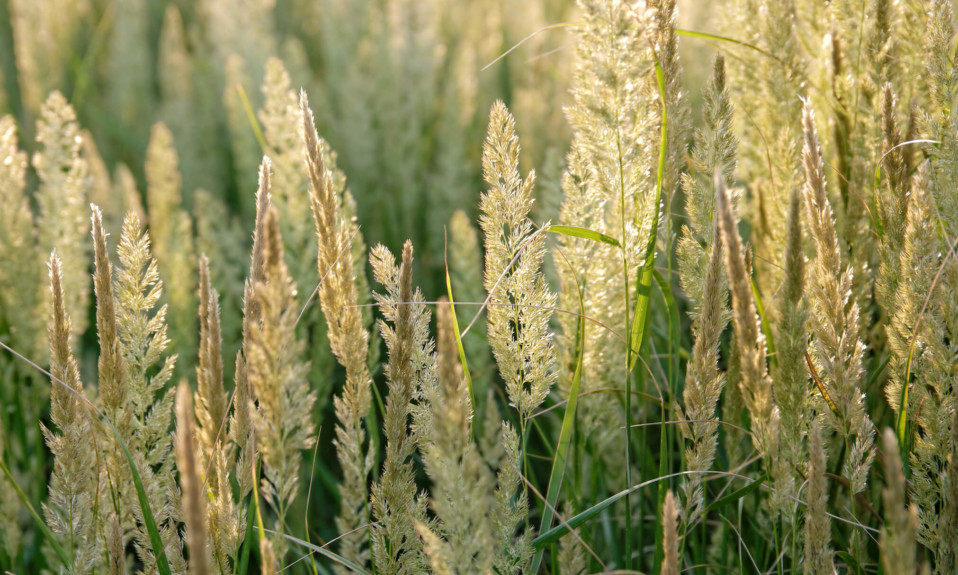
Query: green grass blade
565, 436
644, 287
564, 527
243, 566
462, 352
584, 233
328, 554
766, 328
707, 36
162, 565
67, 560
251, 116
736, 495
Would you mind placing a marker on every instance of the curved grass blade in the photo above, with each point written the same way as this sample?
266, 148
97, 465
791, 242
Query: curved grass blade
558, 531
327, 553
644, 287
243, 566
737, 494
585, 233
67, 560
462, 352
565, 435
162, 565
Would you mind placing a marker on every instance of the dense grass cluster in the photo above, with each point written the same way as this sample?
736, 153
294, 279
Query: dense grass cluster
715, 330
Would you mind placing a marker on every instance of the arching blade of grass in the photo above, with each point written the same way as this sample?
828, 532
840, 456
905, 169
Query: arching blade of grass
564, 527
644, 287
67, 560
327, 553
735, 495
162, 565
565, 435
584, 233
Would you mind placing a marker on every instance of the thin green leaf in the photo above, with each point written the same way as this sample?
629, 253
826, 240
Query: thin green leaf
644, 287
251, 116
565, 435
584, 233
564, 527
326, 553
243, 566
462, 352
707, 36
737, 494
162, 565
766, 328
67, 560
851, 562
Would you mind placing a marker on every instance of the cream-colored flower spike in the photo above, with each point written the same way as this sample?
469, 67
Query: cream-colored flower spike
520, 301
836, 349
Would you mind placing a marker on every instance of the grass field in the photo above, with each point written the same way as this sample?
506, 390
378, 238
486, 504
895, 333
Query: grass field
404, 287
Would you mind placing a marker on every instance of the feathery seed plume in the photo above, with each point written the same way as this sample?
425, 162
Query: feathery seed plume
191, 482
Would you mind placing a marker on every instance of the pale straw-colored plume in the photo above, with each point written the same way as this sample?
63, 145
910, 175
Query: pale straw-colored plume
791, 371
281, 400
519, 335
836, 350
818, 531
714, 150
670, 537
756, 385
19, 274
191, 483
349, 340
69, 507
412, 365
703, 384
461, 494
171, 229
513, 551
214, 452
142, 330
111, 371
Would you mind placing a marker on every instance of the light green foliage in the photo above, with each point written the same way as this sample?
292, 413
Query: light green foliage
130, 63
43, 36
